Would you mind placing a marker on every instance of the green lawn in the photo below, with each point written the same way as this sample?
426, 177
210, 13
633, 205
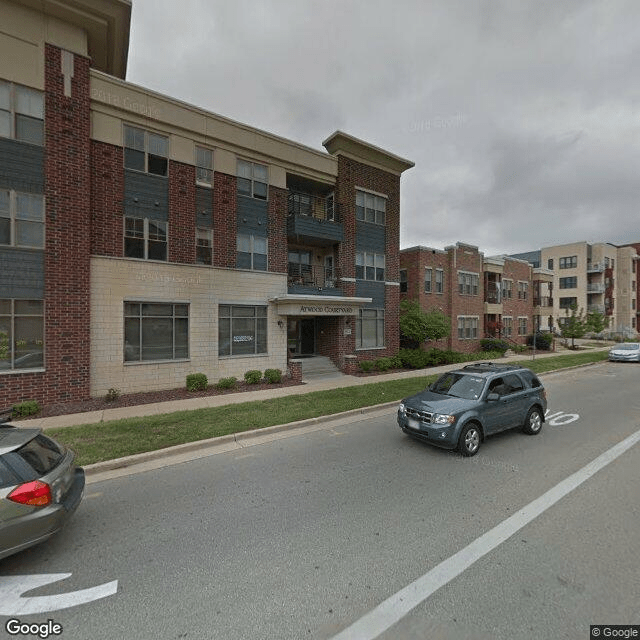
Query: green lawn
118, 438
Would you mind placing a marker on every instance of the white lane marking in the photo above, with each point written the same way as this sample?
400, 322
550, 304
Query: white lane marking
12, 587
393, 609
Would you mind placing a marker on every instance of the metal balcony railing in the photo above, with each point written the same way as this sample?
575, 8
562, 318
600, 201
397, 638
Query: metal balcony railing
313, 206
308, 275
543, 301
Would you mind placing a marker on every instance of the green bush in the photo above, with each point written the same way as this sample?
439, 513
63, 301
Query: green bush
112, 395
544, 341
494, 344
253, 377
226, 383
367, 365
197, 382
25, 408
383, 364
396, 362
415, 358
273, 376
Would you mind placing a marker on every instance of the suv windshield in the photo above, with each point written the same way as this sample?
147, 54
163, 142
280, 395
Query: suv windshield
458, 385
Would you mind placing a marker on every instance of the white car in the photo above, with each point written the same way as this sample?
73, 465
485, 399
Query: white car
625, 352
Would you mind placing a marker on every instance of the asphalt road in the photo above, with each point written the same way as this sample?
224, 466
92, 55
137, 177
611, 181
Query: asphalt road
305, 536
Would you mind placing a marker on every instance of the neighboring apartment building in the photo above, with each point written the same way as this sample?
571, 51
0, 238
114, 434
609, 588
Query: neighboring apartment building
598, 277
143, 239
483, 296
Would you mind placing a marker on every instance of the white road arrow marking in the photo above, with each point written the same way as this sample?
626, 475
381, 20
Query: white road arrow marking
12, 587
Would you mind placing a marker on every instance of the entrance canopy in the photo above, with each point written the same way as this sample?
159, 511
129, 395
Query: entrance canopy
301, 305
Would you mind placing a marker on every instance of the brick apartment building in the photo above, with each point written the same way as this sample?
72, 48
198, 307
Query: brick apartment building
143, 239
483, 296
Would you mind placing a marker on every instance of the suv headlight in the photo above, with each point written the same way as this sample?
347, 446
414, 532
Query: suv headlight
439, 418
401, 408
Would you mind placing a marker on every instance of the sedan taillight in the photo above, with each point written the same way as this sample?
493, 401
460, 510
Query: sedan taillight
34, 494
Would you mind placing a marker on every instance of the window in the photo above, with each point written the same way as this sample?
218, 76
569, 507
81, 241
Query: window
204, 246
370, 207
21, 334
522, 326
467, 327
507, 326
523, 288
428, 276
145, 151
21, 113
439, 280
145, 239
370, 266
507, 289
569, 283
155, 331
21, 219
570, 262
252, 252
242, 330
567, 303
550, 264
370, 329
252, 180
403, 281
204, 166
468, 283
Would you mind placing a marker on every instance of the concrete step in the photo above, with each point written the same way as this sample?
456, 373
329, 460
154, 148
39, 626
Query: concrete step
319, 368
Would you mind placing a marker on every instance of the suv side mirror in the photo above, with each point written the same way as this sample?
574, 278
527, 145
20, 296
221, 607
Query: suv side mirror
493, 397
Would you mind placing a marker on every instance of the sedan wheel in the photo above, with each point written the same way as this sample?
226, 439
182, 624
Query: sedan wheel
533, 423
469, 442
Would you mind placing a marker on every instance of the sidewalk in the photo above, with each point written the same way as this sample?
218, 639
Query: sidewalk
158, 408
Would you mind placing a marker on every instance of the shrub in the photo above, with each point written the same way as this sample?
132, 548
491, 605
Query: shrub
396, 362
25, 408
253, 377
543, 341
273, 376
112, 395
226, 383
366, 365
383, 364
494, 344
415, 358
197, 382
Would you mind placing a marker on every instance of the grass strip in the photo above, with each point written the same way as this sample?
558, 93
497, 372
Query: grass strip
118, 438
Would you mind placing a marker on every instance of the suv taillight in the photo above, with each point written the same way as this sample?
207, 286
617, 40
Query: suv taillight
34, 494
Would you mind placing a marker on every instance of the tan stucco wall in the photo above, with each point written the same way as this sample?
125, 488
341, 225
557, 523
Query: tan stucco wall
115, 280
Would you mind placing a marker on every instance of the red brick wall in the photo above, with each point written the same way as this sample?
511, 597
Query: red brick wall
515, 307
224, 221
277, 245
182, 213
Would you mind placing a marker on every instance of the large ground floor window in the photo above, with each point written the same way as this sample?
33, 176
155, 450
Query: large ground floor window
467, 327
21, 334
155, 331
370, 329
242, 330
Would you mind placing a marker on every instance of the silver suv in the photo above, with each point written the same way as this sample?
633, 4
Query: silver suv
464, 406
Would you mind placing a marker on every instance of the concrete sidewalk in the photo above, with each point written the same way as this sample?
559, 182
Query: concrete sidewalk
158, 408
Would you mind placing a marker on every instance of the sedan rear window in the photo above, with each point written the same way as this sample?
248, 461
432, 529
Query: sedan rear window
35, 459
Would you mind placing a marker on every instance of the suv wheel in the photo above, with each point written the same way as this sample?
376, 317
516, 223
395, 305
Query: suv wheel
533, 423
470, 438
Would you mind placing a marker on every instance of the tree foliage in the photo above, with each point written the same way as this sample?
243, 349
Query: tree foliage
575, 324
420, 325
597, 322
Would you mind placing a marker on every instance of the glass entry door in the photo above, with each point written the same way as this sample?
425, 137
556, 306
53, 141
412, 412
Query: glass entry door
301, 336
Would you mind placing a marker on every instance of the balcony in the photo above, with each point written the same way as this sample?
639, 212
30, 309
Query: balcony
312, 279
595, 267
595, 288
595, 308
314, 219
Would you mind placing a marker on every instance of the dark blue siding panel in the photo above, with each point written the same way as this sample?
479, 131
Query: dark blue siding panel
370, 236
252, 216
21, 274
146, 196
21, 166
373, 290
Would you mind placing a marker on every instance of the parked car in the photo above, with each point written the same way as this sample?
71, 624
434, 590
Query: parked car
40, 487
464, 406
625, 352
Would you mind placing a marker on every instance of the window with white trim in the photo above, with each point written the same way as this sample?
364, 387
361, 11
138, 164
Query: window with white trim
507, 326
242, 330
21, 334
428, 279
370, 207
439, 280
370, 329
21, 113
522, 325
156, 331
252, 252
252, 179
523, 289
467, 327
204, 167
507, 289
370, 266
145, 151
21, 219
204, 246
468, 283
145, 238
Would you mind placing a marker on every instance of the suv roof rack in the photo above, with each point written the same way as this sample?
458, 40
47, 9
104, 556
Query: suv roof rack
485, 367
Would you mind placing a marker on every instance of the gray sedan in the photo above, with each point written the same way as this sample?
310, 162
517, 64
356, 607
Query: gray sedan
625, 352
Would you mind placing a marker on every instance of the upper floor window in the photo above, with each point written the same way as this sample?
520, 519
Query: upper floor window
21, 219
370, 266
568, 303
523, 289
507, 289
439, 280
550, 264
145, 151
568, 262
204, 166
204, 246
145, 239
428, 280
252, 179
403, 281
468, 283
569, 283
370, 207
21, 113
252, 252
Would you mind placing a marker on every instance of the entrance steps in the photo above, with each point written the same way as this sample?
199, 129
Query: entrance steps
319, 368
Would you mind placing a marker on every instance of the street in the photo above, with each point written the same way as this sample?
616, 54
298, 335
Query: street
303, 536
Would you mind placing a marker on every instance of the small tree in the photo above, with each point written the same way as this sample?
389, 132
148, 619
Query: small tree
420, 325
597, 322
575, 324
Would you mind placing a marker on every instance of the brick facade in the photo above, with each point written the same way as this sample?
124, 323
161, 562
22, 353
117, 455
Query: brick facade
182, 213
224, 220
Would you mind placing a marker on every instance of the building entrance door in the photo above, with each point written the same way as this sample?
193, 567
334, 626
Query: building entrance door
301, 336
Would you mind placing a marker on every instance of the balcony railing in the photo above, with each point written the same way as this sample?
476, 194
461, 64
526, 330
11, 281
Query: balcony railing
312, 206
543, 301
314, 276
595, 288
595, 308
493, 297
595, 267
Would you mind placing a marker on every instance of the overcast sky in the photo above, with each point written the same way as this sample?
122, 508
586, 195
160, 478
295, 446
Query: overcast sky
522, 116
